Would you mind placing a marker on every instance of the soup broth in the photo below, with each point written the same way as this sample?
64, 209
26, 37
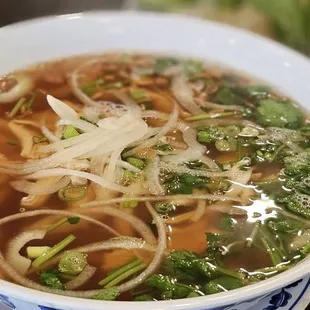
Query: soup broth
145, 178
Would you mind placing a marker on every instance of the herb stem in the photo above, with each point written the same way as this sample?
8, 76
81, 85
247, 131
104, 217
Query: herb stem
253, 235
200, 117
53, 251
31, 101
268, 182
17, 107
57, 224
126, 275
113, 275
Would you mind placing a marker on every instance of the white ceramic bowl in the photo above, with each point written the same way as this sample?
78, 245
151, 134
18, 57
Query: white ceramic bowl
53, 37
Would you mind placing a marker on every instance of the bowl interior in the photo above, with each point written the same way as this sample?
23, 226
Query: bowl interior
54, 37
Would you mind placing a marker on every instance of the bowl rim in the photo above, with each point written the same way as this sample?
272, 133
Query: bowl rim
226, 298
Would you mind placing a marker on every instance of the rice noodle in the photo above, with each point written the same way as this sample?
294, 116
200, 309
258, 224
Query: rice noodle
39, 188
92, 177
81, 279
184, 94
152, 174
110, 171
20, 263
171, 123
160, 252
49, 135
200, 210
159, 198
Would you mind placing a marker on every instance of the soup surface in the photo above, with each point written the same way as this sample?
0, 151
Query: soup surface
142, 177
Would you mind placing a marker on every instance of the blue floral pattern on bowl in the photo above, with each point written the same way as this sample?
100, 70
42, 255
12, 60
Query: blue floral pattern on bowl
283, 299
6, 301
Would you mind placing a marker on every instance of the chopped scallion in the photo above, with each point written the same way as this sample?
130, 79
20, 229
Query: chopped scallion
115, 274
34, 252
12, 143
70, 132
72, 193
91, 87
31, 101
138, 94
130, 204
209, 116
71, 220
137, 162
17, 107
53, 251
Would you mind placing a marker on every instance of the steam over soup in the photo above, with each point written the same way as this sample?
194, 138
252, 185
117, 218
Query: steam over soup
138, 177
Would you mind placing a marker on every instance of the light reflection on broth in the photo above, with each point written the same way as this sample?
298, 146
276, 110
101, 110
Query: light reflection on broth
202, 177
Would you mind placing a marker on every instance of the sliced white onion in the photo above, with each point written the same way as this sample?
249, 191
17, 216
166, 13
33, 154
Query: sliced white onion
200, 210
24, 85
184, 94
160, 252
159, 198
91, 114
144, 231
27, 214
69, 115
152, 174
155, 114
89, 176
81, 279
123, 164
224, 208
164, 130
125, 243
20, 263
39, 188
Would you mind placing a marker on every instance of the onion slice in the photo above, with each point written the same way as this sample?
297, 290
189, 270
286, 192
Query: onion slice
39, 188
81, 279
24, 85
20, 263
160, 252
200, 210
164, 130
184, 94
152, 173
